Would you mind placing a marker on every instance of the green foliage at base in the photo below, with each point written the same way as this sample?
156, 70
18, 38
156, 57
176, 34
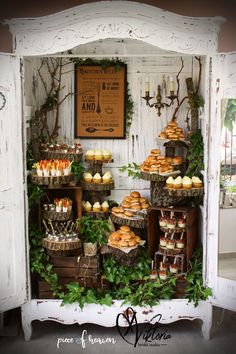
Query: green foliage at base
195, 290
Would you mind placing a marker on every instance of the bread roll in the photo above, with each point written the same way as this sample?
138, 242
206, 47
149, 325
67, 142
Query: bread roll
123, 243
125, 228
135, 194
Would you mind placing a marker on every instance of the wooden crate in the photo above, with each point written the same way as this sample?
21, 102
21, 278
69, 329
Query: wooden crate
191, 230
83, 270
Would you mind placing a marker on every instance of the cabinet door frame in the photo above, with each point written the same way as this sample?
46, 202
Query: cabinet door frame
14, 275
222, 84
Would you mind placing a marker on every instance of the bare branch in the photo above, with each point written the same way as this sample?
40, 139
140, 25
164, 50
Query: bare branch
178, 107
177, 79
41, 77
199, 75
68, 94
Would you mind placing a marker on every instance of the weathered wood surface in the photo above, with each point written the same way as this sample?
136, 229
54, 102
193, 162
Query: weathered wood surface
52, 180
193, 192
140, 223
52, 155
57, 216
97, 186
61, 245
193, 108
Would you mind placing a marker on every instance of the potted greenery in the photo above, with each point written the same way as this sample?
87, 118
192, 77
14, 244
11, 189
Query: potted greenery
92, 233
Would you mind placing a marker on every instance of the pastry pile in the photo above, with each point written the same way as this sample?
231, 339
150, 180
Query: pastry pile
97, 178
130, 205
124, 237
98, 155
157, 163
172, 131
96, 207
184, 182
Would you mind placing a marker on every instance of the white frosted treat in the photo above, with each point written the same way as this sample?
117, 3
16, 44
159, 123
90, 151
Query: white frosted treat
105, 206
97, 178
96, 206
87, 177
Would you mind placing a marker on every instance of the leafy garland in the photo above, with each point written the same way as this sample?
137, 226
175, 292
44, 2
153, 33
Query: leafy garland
131, 285
133, 170
195, 289
104, 63
195, 155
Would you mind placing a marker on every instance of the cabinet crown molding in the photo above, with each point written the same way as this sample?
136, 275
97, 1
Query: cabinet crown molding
115, 19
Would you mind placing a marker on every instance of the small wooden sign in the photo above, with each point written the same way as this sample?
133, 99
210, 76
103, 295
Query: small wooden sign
100, 101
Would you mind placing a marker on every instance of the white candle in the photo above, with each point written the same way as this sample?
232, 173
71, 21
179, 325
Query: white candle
147, 85
171, 84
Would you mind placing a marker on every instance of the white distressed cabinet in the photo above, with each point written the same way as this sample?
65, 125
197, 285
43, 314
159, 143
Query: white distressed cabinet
150, 33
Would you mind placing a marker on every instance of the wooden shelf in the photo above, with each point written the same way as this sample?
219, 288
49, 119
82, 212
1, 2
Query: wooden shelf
190, 234
140, 223
193, 192
97, 186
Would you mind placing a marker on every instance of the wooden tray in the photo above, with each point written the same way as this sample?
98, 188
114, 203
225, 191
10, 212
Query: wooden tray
53, 215
97, 186
131, 222
61, 245
193, 192
128, 259
53, 155
155, 176
97, 214
52, 181
98, 162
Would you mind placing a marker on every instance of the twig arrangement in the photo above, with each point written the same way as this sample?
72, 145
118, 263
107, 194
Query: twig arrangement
52, 68
192, 96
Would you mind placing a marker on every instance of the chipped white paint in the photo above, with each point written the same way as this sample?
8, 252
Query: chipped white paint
146, 124
115, 19
135, 21
170, 311
223, 86
12, 186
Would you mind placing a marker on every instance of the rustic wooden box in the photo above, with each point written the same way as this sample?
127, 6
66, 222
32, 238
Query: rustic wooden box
191, 230
84, 270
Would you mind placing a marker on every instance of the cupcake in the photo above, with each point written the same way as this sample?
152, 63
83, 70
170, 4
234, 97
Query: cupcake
177, 184
162, 221
173, 268
106, 155
181, 223
197, 183
187, 182
89, 155
163, 275
87, 206
87, 177
170, 244
163, 266
107, 177
171, 223
163, 241
98, 155
96, 207
180, 244
97, 178
105, 206
169, 182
